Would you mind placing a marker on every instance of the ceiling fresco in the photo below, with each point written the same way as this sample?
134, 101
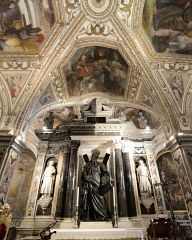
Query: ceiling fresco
61, 116
178, 83
16, 81
47, 97
140, 118
168, 24
24, 24
96, 69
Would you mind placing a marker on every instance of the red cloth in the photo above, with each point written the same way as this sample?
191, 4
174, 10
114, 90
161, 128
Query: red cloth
2, 231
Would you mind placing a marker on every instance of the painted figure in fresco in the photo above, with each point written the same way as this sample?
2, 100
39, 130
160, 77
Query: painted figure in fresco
143, 177
48, 179
177, 86
93, 177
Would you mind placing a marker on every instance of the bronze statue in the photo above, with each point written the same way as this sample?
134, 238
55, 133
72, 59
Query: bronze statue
95, 183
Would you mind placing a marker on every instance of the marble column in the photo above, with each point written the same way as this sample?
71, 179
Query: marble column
120, 183
131, 205
61, 183
72, 180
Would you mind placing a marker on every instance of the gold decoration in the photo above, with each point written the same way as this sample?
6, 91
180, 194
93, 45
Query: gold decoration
5, 215
71, 6
126, 6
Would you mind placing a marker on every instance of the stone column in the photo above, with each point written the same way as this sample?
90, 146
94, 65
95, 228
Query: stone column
131, 204
31, 206
71, 182
120, 183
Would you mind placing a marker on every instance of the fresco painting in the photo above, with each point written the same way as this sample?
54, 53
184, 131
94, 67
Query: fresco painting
140, 118
165, 164
177, 83
15, 81
146, 97
5, 183
168, 23
24, 30
177, 86
96, 69
184, 179
61, 116
47, 97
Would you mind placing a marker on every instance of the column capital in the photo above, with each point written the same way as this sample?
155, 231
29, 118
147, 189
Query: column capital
75, 144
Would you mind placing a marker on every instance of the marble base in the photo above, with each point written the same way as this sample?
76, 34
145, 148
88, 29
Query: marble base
96, 225
98, 233
134, 227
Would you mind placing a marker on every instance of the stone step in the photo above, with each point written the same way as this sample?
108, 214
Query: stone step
98, 233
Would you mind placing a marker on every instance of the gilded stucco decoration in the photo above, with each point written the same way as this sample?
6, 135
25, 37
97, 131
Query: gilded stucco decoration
71, 10
96, 28
98, 8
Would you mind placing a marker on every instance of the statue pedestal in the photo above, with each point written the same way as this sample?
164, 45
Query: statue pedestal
93, 225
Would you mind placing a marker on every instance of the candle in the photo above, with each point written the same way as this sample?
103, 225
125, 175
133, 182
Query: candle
114, 196
77, 199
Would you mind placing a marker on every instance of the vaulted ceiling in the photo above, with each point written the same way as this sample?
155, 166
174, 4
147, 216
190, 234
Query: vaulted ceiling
60, 54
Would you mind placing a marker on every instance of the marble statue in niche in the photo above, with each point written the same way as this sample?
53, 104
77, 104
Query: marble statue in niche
47, 187
143, 177
144, 185
95, 182
48, 180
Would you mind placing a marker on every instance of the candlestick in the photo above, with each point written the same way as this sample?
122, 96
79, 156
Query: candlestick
114, 196
77, 199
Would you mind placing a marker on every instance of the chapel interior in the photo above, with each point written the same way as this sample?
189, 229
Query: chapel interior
95, 119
